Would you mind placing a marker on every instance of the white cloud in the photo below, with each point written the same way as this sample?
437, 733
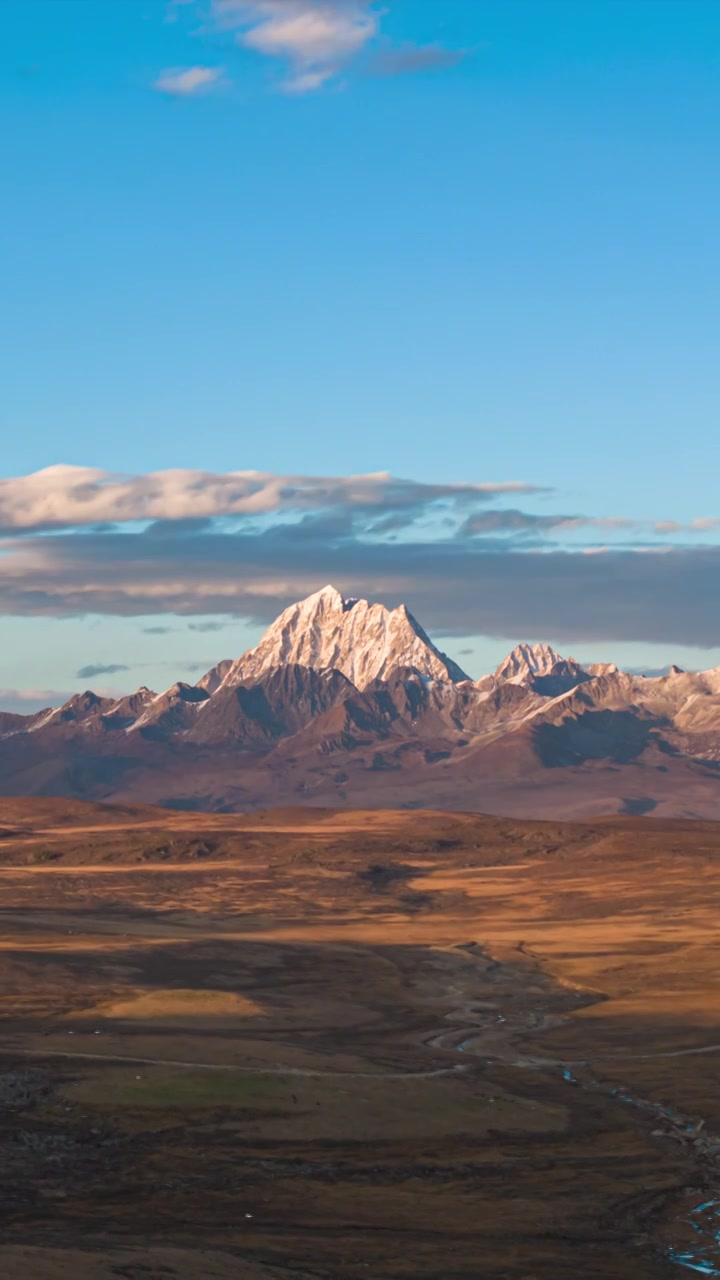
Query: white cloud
307, 81
186, 82
67, 496
703, 524
311, 35
24, 702
316, 38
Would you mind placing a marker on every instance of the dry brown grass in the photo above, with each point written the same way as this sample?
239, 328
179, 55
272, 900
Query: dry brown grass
314, 974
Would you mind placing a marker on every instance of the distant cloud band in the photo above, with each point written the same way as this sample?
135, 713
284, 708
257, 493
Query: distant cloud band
245, 544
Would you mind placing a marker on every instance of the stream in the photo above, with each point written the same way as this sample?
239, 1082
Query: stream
704, 1257
703, 1254
700, 1223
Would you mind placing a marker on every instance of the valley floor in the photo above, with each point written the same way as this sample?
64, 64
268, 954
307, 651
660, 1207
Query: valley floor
317, 1045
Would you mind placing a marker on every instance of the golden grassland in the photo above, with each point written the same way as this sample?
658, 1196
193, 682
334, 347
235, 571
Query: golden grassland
332, 1045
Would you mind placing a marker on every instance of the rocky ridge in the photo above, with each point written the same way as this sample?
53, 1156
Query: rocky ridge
363, 641
344, 699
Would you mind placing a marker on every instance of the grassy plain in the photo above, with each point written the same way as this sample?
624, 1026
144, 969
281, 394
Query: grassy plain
309, 1044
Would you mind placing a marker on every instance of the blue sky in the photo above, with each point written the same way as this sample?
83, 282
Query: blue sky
459, 241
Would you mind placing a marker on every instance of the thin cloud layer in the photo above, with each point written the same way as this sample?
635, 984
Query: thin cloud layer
456, 587
65, 497
516, 522
525, 523
24, 702
704, 524
415, 59
101, 669
244, 545
187, 82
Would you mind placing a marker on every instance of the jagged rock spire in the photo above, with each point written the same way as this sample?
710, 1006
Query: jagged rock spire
363, 641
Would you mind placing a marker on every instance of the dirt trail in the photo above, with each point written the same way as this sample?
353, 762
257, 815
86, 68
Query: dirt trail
641, 1057
48, 1054
167, 868
204, 821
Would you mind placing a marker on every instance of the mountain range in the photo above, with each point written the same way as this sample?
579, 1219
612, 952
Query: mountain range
345, 703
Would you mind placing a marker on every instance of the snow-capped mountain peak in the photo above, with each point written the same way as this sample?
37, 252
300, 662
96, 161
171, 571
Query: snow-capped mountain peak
527, 661
363, 641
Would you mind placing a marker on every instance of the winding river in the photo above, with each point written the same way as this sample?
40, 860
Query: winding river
492, 1037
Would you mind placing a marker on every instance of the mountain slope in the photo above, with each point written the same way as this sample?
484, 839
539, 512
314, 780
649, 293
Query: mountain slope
526, 661
363, 641
344, 702
274, 706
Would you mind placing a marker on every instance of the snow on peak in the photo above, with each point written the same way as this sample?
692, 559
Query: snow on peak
528, 660
363, 641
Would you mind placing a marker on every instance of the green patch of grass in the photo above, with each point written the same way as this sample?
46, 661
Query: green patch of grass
317, 1107
160, 1087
